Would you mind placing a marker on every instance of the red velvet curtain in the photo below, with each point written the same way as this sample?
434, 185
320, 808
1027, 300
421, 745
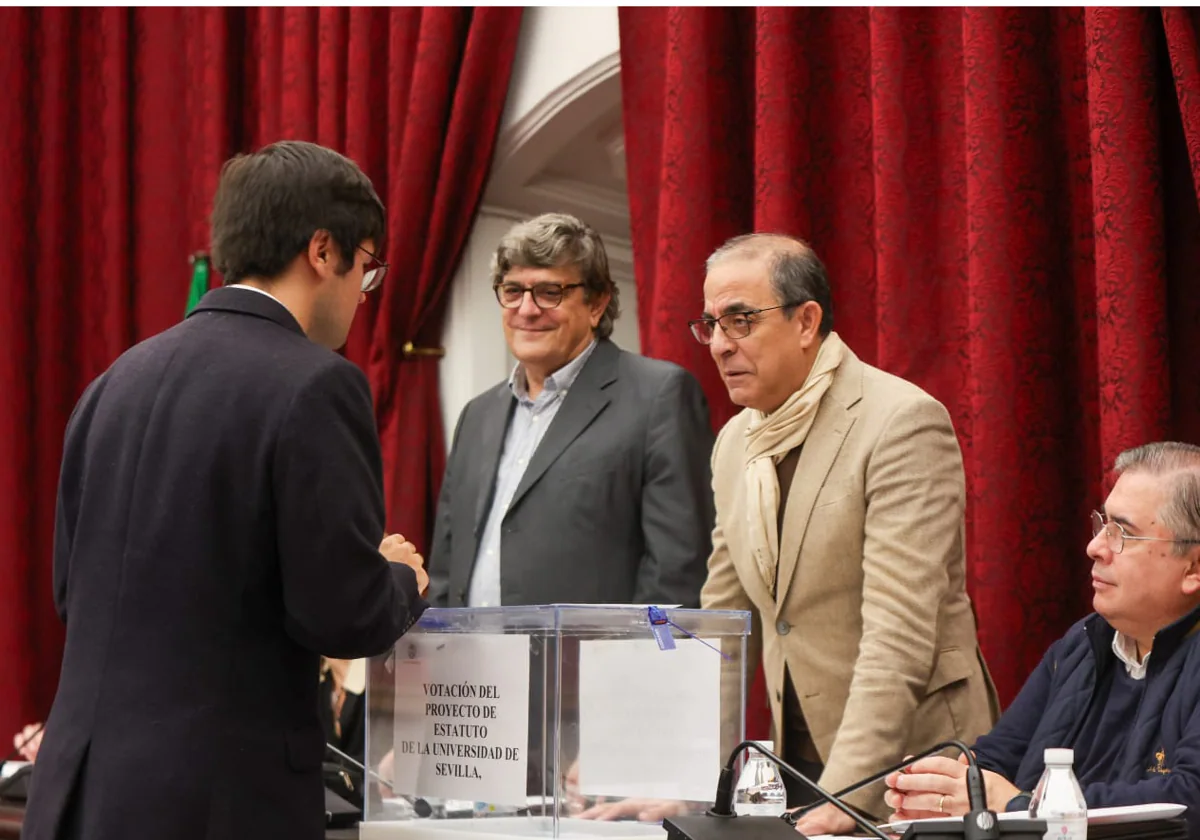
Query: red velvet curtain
113, 130
1006, 200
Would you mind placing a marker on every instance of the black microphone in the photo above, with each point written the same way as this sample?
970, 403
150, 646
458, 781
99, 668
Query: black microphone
420, 806
721, 822
979, 823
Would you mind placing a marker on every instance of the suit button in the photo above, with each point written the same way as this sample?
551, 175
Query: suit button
782, 627
778, 696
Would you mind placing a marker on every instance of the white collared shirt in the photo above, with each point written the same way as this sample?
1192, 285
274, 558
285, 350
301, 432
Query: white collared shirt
260, 291
1126, 650
531, 418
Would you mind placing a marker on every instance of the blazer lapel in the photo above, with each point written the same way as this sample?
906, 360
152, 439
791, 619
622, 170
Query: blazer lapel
831, 425
583, 402
491, 445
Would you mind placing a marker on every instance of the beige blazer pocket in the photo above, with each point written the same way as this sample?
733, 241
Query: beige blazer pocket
952, 665
946, 708
837, 490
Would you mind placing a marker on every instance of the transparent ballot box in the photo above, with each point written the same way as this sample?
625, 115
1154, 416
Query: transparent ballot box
554, 721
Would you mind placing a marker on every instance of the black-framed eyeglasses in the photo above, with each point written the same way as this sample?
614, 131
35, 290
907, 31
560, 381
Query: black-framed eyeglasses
734, 324
545, 295
1116, 536
373, 272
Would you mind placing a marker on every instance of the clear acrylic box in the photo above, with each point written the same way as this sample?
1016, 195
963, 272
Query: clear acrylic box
538, 721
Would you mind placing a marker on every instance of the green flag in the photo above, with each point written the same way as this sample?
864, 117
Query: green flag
199, 281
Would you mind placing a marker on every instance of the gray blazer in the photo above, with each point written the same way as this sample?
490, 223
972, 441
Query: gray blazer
615, 506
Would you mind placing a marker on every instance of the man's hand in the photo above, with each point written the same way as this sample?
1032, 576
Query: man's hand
28, 740
396, 549
825, 819
937, 787
643, 810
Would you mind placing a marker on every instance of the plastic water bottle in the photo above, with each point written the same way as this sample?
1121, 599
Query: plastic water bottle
760, 791
1058, 798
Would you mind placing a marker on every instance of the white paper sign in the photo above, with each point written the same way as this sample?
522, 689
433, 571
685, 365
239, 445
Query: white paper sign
649, 719
462, 717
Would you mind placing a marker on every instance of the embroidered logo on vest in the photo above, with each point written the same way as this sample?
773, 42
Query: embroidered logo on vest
1159, 768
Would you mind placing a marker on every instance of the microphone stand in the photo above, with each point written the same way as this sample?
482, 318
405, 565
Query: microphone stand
883, 774
721, 822
723, 805
420, 807
979, 823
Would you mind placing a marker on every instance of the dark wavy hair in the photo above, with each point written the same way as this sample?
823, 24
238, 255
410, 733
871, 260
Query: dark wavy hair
270, 203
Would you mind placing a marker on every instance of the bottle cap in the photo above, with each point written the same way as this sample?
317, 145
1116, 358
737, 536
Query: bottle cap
766, 745
1059, 757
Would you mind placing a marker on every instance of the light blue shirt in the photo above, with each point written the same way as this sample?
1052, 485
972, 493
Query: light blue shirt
530, 420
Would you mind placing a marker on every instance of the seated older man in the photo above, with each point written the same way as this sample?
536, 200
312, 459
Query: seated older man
1122, 687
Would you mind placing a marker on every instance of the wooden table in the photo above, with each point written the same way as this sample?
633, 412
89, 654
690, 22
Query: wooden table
11, 815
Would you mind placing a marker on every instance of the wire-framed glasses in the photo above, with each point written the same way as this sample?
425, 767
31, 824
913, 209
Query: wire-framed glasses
1116, 536
373, 272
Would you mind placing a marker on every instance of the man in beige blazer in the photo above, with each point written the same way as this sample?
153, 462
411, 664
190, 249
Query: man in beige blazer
839, 495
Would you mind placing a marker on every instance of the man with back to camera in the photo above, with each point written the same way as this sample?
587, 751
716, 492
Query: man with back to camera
219, 525
584, 477
840, 495
1122, 687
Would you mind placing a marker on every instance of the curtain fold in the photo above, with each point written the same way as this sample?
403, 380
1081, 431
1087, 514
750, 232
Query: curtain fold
115, 127
1006, 199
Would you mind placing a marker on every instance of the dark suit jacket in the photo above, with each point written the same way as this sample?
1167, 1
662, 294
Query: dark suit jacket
615, 505
219, 514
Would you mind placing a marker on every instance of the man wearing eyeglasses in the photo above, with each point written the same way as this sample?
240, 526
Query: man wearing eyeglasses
1122, 687
584, 477
220, 525
840, 495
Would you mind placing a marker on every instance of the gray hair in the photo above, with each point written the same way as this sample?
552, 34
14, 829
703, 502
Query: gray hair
797, 273
1179, 463
554, 240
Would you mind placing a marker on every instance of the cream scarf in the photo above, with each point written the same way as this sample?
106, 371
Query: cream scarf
771, 436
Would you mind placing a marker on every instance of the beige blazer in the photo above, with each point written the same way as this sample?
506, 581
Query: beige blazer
871, 617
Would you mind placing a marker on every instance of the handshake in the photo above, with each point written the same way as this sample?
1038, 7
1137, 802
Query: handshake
396, 549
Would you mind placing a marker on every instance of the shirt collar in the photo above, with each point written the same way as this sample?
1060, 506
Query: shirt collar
1125, 649
560, 380
260, 291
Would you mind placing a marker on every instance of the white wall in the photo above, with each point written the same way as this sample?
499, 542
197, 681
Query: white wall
556, 45
476, 355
